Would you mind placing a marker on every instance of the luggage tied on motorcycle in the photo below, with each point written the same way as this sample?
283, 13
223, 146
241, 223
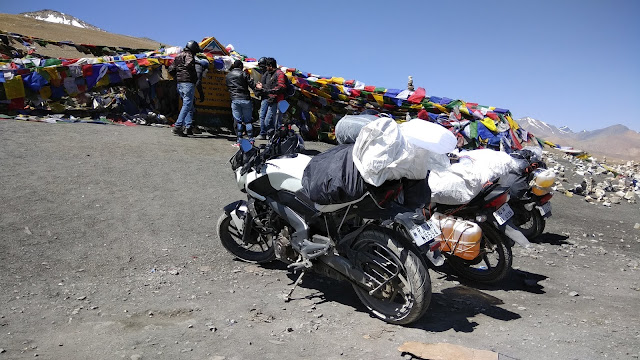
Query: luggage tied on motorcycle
382, 154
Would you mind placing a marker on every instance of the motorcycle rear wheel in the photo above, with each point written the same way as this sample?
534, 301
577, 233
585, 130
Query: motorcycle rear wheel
541, 225
258, 250
493, 263
406, 293
530, 223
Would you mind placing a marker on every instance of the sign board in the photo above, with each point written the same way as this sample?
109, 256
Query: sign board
215, 111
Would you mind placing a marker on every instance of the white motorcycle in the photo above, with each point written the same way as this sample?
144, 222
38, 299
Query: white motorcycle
380, 248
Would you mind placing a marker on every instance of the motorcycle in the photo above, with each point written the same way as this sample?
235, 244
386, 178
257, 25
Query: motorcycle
380, 248
530, 193
491, 260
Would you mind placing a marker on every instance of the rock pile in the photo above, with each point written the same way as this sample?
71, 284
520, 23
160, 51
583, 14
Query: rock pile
598, 182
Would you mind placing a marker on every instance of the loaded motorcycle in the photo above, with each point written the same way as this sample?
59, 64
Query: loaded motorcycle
477, 236
530, 193
381, 248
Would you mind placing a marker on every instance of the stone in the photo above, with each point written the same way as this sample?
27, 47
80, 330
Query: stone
573, 293
615, 200
630, 195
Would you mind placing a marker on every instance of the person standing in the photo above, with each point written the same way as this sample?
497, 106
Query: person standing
264, 99
183, 69
274, 86
238, 83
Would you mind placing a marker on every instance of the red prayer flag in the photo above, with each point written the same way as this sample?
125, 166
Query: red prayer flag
417, 96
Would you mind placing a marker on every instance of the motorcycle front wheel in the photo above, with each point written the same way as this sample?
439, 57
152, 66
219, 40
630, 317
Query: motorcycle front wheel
257, 250
493, 263
402, 286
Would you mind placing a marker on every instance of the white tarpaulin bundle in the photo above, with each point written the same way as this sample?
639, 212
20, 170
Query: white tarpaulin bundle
462, 181
382, 152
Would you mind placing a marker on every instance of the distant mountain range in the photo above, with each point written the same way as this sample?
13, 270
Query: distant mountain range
616, 141
59, 18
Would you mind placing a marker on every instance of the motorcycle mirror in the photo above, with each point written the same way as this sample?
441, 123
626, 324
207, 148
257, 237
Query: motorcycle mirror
245, 145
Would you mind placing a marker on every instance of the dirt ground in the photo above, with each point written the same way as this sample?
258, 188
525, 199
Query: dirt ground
108, 250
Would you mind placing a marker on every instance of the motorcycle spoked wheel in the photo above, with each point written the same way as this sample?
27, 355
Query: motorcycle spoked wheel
530, 223
258, 250
406, 293
493, 263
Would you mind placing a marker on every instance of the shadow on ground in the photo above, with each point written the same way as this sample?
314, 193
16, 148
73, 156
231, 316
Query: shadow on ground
551, 239
452, 309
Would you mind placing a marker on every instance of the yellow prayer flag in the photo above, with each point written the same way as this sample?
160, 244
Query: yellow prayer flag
337, 80
380, 100
103, 82
14, 88
488, 122
45, 92
514, 125
440, 107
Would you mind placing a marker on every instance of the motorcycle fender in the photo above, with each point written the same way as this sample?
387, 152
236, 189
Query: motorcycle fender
237, 211
547, 215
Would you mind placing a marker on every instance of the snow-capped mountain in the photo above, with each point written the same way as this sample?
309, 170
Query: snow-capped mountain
615, 140
542, 129
59, 18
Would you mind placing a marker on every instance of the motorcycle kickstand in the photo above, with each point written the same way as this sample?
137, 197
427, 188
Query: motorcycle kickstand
287, 297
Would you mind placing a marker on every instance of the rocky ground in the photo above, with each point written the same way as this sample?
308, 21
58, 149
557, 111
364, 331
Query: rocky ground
108, 249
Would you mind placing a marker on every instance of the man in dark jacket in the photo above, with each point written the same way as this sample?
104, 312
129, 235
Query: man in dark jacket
183, 69
238, 83
273, 88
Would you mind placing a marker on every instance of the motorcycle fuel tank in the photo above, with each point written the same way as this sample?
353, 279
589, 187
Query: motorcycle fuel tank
286, 173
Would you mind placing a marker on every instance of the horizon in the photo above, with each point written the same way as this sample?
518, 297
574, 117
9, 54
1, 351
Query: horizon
564, 63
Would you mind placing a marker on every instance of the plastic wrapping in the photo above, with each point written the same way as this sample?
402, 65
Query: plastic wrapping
348, 128
381, 153
462, 181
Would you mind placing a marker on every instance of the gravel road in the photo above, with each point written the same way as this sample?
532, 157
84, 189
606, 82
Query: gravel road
108, 250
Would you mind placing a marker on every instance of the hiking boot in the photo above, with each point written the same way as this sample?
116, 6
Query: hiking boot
261, 137
190, 130
178, 130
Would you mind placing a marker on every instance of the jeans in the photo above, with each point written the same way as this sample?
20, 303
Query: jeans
186, 90
272, 119
263, 114
242, 114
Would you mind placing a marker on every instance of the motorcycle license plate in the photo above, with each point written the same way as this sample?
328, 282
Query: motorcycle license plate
424, 233
545, 210
503, 214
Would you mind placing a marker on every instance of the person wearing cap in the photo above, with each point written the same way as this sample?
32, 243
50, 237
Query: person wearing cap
238, 83
183, 69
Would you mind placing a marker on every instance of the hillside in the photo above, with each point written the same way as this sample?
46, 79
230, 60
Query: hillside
60, 32
616, 141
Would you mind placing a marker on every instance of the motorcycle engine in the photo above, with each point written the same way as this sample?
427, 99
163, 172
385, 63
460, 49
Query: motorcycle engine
282, 247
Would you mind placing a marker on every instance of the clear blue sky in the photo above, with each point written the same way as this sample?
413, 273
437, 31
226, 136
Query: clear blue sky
565, 62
